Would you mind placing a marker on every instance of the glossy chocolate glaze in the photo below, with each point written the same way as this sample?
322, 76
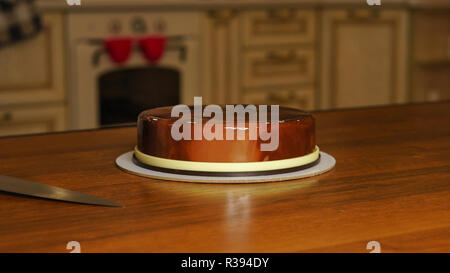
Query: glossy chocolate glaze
296, 138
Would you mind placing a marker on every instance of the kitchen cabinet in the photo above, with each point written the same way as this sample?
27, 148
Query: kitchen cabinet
33, 77
29, 120
364, 57
33, 70
361, 58
260, 57
278, 57
430, 55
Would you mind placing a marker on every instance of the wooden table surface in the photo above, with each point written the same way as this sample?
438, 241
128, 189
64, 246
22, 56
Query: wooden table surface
391, 184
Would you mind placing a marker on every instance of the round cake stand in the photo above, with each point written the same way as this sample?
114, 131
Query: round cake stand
126, 163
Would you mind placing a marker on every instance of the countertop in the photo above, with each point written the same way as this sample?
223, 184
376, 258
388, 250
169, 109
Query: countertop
196, 4
391, 184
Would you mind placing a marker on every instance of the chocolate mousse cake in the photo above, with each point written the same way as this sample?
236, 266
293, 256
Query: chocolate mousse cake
295, 146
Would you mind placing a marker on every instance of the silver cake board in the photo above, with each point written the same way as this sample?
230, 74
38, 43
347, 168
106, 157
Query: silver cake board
126, 163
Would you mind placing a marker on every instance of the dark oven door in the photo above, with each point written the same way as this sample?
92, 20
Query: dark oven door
125, 92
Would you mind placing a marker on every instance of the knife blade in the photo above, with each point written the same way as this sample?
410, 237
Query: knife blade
29, 188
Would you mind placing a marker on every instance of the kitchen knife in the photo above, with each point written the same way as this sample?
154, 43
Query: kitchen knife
24, 187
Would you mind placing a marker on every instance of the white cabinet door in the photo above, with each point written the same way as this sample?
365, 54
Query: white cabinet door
364, 57
33, 70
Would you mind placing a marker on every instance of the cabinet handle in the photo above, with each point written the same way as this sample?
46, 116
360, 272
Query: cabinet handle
274, 98
280, 98
222, 15
6, 116
282, 14
278, 56
363, 14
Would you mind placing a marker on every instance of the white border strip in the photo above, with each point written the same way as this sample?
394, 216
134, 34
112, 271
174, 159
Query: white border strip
226, 167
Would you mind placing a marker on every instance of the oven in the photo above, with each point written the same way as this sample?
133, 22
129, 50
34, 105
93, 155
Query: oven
102, 92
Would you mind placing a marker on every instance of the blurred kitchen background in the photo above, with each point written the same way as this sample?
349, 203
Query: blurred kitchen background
99, 64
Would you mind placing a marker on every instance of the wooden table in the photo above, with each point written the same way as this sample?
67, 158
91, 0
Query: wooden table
391, 184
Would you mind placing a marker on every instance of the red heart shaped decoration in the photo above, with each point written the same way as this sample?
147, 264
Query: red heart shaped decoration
153, 47
119, 49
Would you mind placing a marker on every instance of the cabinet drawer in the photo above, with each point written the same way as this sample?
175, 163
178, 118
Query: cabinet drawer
274, 67
300, 98
278, 26
32, 120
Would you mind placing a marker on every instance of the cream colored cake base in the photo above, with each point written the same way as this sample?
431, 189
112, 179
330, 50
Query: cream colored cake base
225, 167
125, 162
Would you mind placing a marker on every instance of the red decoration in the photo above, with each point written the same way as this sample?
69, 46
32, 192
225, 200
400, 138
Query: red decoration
153, 47
119, 49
